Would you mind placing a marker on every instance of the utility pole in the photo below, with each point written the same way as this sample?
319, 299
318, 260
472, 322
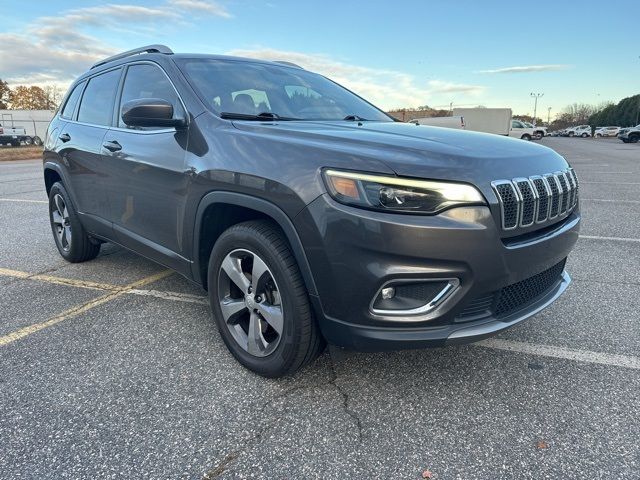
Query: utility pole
548, 116
535, 105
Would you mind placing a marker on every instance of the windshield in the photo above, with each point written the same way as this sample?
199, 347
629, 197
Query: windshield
246, 89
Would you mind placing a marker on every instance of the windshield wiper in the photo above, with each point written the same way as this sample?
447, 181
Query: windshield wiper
355, 118
249, 116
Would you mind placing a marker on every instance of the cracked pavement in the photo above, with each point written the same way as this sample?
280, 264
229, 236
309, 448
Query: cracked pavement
143, 387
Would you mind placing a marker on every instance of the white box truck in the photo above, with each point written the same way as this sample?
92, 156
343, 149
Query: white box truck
488, 120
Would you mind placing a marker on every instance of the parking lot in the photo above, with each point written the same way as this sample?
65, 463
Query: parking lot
114, 369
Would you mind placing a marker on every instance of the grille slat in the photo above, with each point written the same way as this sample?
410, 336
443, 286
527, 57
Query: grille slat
565, 192
537, 199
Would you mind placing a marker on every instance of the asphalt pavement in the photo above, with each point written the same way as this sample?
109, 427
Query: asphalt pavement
114, 369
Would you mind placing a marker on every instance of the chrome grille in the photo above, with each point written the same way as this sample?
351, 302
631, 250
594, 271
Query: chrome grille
537, 199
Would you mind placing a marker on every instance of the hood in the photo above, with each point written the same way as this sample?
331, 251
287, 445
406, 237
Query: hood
418, 150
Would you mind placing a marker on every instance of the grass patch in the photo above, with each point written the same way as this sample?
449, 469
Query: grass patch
20, 153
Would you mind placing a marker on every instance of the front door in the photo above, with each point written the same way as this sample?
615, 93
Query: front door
148, 184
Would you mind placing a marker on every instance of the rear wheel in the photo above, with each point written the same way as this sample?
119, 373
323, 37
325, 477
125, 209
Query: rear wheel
259, 301
571, 134
526, 136
27, 141
71, 239
584, 135
37, 141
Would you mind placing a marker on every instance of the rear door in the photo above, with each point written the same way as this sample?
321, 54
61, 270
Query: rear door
147, 188
80, 146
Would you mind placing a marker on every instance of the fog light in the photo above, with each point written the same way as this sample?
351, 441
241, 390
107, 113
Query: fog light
388, 292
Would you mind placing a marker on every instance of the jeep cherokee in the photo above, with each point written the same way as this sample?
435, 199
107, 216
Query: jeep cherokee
308, 214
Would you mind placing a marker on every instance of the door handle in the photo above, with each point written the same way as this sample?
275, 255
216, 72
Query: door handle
112, 146
65, 137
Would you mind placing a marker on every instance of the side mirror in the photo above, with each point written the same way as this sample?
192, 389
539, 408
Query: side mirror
150, 112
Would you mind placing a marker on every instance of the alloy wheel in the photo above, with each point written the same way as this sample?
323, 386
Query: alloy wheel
250, 302
61, 222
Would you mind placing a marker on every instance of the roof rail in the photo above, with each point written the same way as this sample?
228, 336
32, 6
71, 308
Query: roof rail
289, 64
148, 49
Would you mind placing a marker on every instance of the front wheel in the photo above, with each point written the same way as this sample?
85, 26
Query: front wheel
584, 135
634, 138
71, 239
259, 301
571, 134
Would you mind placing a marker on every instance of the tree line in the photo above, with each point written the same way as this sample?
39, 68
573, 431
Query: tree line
28, 97
626, 113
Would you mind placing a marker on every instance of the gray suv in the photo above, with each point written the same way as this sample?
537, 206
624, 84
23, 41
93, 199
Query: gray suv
308, 214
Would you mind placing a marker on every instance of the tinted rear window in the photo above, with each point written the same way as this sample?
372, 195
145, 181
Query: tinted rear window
97, 102
70, 106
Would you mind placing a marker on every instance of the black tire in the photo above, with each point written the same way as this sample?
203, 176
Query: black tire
300, 341
584, 135
526, 137
625, 140
634, 138
37, 141
571, 134
28, 141
81, 247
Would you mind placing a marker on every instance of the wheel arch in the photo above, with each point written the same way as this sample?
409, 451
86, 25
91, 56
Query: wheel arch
52, 175
218, 211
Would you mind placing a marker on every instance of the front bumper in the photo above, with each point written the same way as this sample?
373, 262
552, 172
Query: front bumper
353, 252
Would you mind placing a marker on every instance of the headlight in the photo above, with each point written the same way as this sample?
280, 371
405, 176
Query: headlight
394, 194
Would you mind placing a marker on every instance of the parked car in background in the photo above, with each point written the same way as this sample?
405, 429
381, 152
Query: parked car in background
630, 134
456, 122
538, 131
583, 131
15, 136
520, 130
606, 132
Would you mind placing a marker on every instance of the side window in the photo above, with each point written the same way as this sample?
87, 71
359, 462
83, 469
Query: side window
147, 81
72, 101
97, 102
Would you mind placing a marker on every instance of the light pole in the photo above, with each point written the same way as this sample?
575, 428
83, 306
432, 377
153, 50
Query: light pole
535, 105
548, 116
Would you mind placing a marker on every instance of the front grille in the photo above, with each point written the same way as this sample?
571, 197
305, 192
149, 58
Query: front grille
537, 199
517, 295
512, 297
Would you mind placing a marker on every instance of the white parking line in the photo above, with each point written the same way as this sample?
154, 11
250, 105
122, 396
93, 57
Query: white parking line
606, 200
609, 359
175, 296
22, 200
582, 182
610, 239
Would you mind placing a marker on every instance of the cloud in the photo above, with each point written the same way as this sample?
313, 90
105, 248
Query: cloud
385, 88
55, 50
199, 5
448, 87
527, 69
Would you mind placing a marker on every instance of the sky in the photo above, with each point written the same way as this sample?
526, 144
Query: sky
394, 53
